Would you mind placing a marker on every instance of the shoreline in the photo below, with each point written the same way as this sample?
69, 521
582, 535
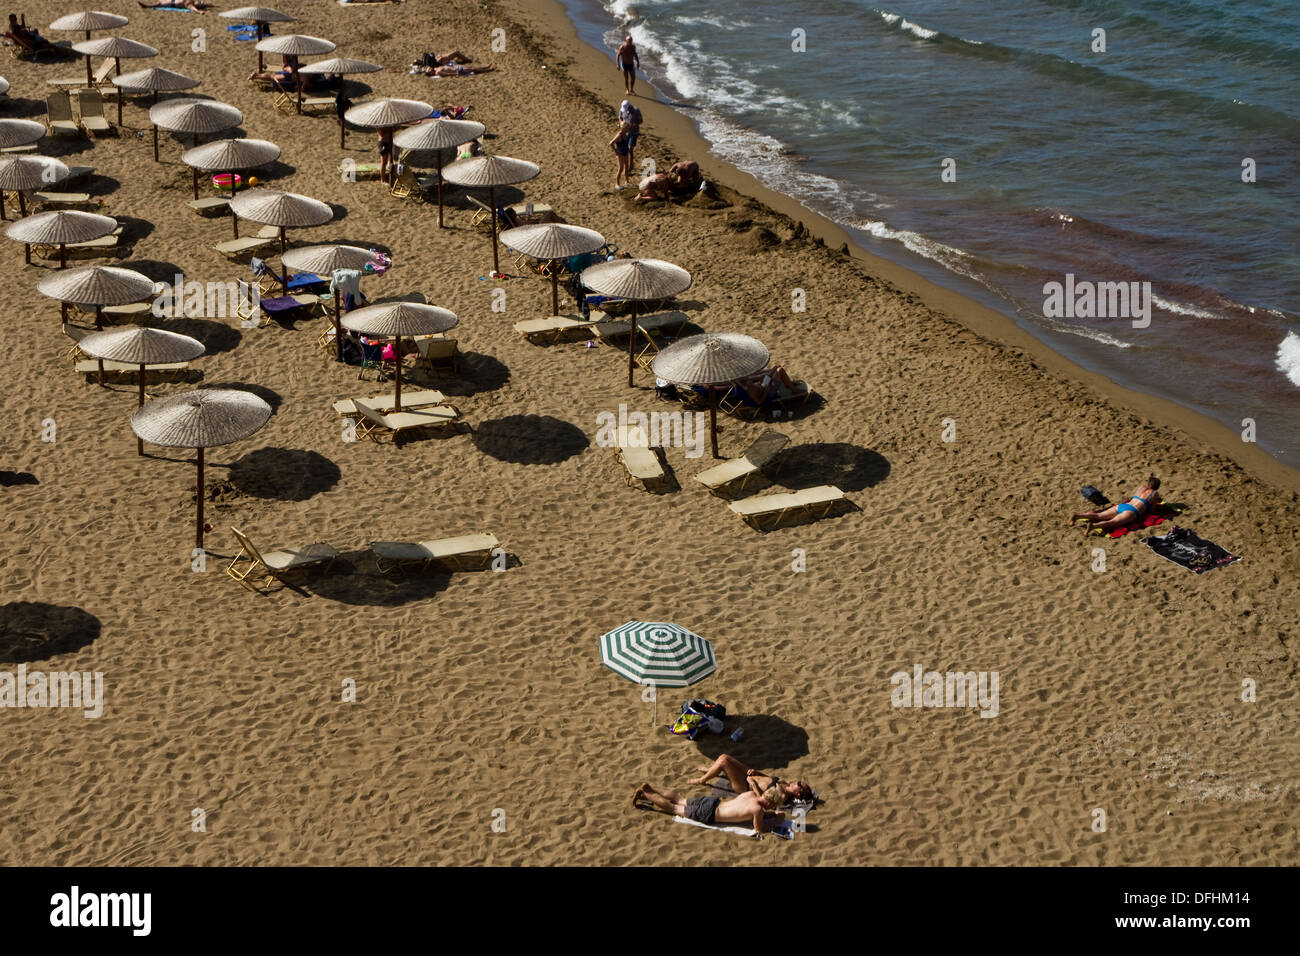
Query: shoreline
591, 70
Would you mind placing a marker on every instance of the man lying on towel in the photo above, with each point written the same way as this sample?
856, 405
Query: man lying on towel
749, 807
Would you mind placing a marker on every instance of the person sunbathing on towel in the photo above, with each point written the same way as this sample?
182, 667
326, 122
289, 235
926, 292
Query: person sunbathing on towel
194, 5
455, 69
744, 779
1143, 499
758, 811
762, 386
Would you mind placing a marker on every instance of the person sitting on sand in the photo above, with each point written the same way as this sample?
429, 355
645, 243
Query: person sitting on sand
762, 386
759, 811
745, 779
1140, 503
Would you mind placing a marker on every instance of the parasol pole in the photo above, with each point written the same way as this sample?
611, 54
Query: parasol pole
198, 530
155, 143
713, 419
139, 442
555, 288
492, 198
397, 354
338, 323
439, 152
631, 345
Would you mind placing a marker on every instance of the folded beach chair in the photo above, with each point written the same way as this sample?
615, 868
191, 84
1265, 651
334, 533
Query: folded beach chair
60, 120
558, 328
766, 512
467, 552
418, 398
275, 564
374, 423
731, 477
234, 249
101, 76
441, 355
210, 205
482, 213
406, 186
90, 103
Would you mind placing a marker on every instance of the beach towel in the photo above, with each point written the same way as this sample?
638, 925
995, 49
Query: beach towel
1194, 553
784, 829
1155, 516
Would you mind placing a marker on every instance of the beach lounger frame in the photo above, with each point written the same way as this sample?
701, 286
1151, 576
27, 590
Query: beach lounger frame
730, 478
470, 552
278, 562
59, 117
768, 512
374, 424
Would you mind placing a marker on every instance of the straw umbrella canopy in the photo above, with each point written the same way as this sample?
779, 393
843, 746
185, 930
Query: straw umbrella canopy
201, 419
191, 115
286, 210
59, 228
438, 135
395, 320
229, 155
28, 172
322, 261
490, 171
154, 80
658, 654
140, 345
387, 113
115, 48
639, 280
98, 286
262, 18
553, 240
337, 66
88, 20
713, 359
20, 132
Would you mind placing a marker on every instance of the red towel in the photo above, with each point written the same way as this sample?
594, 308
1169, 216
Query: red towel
1149, 520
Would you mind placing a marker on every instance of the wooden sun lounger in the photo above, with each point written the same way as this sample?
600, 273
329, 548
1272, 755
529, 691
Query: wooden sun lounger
374, 423
79, 82
732, 476
45, 197
126, 370
60, 120
483, 214
418, 398
559, 328
276, 563
246, 245
772, 510
91, 105
469, 551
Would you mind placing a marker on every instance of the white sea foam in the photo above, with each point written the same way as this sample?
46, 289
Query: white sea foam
1084, 332
1182, 308
1288, 358
893, 19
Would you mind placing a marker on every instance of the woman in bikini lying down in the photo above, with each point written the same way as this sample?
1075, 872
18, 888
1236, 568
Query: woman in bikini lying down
748, 780
1144, 498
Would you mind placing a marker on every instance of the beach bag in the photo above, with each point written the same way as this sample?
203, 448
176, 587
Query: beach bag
689, 724
707, 708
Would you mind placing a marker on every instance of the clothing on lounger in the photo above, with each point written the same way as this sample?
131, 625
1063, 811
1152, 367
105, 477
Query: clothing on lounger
702, 809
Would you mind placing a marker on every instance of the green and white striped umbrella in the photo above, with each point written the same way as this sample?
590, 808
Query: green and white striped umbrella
668, 655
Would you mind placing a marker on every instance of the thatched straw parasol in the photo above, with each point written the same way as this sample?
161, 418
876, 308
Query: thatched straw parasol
551, 241
262, 18
59, 228
322, 261
201, 419
713, 359
194, 116
139, 345
338, 66
153, 80
490, 171
438, 135
98, 286
229, 155
115, 48
28, 172
394, 320
286, 210
640, 280
19, 132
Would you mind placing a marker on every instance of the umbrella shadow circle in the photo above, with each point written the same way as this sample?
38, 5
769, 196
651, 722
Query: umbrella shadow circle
846, 466
284, 474
769, 742
33, 631
355, 579
530, 439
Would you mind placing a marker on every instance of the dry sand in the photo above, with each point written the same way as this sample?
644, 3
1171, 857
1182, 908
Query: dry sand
1119, 690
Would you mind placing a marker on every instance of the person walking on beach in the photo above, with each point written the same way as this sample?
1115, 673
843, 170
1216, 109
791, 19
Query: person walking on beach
627, 113
1143, 499
623, 153
628, 61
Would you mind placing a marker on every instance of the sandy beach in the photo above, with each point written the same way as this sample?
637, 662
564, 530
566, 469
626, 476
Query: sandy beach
479, 692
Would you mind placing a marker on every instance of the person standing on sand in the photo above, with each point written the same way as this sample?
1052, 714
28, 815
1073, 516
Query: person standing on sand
628, 61
623, 153
627, 113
